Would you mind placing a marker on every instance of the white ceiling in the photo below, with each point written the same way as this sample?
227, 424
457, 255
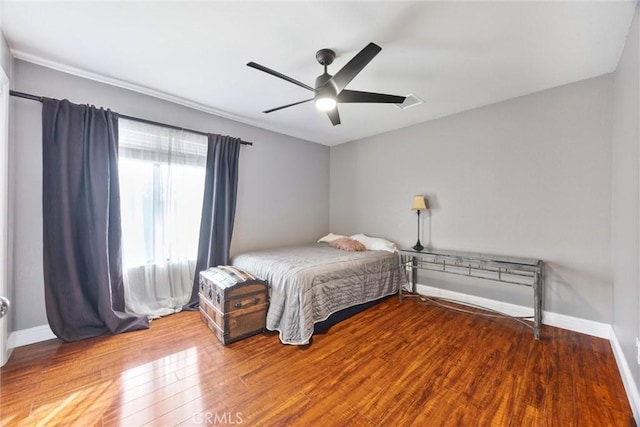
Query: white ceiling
454, 55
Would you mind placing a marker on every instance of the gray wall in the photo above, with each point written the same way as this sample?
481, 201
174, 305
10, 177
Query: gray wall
625, 200
526, 177
283, 186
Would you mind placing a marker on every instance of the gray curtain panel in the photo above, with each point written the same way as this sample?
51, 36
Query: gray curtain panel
81, 222
218, 207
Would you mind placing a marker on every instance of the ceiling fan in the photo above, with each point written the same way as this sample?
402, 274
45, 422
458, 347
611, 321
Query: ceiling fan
330, 90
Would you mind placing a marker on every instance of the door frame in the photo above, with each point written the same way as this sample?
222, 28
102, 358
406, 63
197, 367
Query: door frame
5, 352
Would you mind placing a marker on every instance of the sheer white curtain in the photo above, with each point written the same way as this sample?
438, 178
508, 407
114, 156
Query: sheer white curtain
162, 173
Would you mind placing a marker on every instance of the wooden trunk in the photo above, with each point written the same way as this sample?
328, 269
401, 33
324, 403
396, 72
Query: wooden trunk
233, 303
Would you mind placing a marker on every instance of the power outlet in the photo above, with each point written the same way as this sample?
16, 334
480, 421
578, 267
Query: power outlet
638, 347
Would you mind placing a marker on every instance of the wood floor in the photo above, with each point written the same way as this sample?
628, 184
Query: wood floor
396, 364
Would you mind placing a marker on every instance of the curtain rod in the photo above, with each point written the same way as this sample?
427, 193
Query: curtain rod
137, 119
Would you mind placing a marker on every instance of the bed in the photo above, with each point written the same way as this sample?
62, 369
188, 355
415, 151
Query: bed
309, 283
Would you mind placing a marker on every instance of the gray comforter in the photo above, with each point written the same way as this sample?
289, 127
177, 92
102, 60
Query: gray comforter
309, 283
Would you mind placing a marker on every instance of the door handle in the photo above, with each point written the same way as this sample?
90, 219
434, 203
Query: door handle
4, 306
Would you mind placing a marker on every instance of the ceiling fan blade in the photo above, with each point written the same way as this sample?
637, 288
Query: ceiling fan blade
357, 96
353, 67
334, 116
287, 106
279, 75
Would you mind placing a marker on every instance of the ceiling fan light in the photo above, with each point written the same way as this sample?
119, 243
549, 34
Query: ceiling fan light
325, 103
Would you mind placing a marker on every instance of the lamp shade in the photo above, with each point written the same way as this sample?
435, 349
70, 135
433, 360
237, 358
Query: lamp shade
419, 204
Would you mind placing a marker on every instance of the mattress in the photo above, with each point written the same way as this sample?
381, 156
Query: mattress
309, 283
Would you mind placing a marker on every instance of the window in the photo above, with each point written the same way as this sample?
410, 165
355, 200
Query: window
162, 173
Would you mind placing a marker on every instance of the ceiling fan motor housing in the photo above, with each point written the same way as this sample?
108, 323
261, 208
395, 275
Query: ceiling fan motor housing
322, 79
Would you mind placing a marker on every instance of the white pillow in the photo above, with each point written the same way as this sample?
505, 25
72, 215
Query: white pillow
374, 243
331, 237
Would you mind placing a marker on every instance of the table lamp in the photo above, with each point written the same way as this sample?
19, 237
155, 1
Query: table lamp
419, 204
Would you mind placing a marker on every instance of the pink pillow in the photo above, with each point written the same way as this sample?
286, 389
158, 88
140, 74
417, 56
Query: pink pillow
347, 244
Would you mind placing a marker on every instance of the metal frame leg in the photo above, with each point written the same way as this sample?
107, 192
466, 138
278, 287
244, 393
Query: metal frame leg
403, 262
537, 302
414, 274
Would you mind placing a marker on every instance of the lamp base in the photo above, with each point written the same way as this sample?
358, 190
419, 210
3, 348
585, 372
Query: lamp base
418, 247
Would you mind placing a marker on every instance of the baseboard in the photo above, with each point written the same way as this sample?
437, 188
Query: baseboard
30, 336
589, 327
630, 385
